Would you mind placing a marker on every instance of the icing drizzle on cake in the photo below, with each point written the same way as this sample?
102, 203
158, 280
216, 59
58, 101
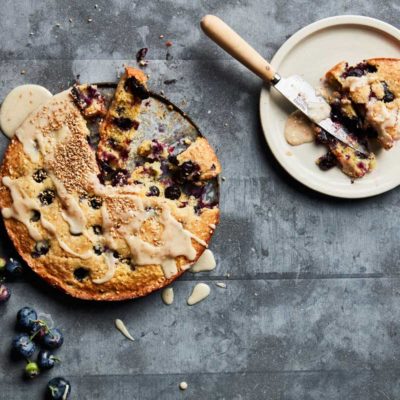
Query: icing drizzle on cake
45, 142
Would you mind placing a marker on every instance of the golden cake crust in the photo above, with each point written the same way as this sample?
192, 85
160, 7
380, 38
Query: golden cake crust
72, 165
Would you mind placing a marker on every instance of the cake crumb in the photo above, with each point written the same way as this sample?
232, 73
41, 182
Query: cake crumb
89, 20
168, 43
221, 285
183, 385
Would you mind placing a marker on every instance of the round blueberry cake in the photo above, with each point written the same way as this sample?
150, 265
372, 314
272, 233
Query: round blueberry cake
366, 99
103, 197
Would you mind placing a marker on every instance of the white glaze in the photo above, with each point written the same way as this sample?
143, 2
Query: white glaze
167, 296
18, 104
199, 293
123, 329
384, 119
298, 129
318, 111
111, 265
31, 136
206, 262
71, 212
21, 207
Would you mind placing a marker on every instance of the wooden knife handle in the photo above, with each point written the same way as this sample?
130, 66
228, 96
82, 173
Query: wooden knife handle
237, 47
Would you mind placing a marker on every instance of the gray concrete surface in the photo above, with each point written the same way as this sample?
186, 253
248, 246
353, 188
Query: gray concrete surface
312, 305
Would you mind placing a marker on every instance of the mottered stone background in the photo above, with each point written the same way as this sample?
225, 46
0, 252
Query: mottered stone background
312, 304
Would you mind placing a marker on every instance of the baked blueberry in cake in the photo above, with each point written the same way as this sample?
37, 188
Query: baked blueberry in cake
366, 99
115, 222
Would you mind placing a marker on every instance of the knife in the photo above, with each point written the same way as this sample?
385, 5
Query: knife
299, 92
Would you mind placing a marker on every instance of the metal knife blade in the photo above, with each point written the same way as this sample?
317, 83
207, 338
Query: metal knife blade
303, 96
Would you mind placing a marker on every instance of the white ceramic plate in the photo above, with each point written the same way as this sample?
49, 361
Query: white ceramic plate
310, 53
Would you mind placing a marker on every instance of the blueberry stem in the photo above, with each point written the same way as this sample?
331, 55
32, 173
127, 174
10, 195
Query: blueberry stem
42, 325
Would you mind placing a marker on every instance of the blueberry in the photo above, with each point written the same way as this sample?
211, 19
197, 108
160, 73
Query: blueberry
23, 346
97, 229
188, 170
389, 96
26, 317
172, 192
4, 293
153, 191
46, 360
187, 167
126, 260
81, 273
136, 88
173, 160
116, 254
13, 269
141, 54
38, 330
39, 175
58, 389
98, 249
359, 70
123, 123
35, 216
41, 248
120, 177
53, 339
32, 370
327, 161
47, 196
95, 202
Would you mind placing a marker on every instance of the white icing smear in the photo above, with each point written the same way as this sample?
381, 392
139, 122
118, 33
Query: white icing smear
21, 208
18, 104
30, 135
199, 293
71, 212
123, 329
298, 129
111, 265
167, 296
318, 111
206, 262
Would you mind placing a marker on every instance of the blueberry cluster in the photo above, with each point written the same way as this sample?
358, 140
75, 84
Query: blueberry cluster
9, 270
34, 333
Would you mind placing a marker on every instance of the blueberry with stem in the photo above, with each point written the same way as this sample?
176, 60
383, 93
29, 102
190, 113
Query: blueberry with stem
39, 330
58, 389
46, 360
23, 346
53, 339
26, 317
